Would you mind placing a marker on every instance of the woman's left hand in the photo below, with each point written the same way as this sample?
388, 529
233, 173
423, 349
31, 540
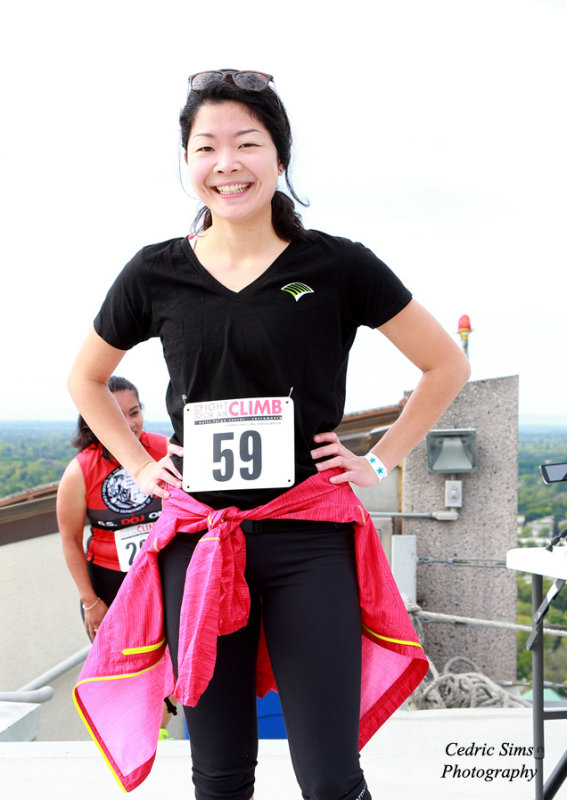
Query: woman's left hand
356, 469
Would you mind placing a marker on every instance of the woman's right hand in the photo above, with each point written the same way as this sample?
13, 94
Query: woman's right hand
94, 617
153, 477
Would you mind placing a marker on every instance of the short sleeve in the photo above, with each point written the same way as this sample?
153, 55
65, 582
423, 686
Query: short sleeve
125, 317
373, 293
155, 444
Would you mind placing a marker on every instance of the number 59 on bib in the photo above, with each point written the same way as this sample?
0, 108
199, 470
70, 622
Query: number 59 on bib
243, 443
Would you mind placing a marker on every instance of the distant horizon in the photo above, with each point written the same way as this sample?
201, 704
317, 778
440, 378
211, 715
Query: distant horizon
524, 420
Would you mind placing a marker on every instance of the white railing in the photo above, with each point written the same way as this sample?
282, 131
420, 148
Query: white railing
38, 691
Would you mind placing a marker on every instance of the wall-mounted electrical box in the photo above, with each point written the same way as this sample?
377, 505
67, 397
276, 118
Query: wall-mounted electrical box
453, 494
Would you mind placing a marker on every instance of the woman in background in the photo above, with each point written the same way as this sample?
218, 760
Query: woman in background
96, 489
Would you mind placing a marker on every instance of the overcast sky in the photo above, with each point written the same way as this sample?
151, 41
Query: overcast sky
434, 132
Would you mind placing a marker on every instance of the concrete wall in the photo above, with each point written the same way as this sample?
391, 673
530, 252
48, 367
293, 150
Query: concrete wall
486, 529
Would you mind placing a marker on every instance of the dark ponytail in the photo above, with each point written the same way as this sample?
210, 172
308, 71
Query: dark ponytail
285, 219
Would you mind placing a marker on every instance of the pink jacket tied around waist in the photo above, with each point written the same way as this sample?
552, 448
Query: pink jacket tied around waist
128, 671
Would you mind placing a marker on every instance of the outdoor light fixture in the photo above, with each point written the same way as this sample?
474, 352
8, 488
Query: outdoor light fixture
451, 451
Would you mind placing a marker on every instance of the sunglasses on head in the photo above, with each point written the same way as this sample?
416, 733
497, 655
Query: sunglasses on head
244, 79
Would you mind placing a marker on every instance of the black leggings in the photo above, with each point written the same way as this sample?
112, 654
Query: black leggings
303, 587
105, 582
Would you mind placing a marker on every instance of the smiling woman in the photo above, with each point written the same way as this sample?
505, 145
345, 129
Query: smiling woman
268, 572
234, 168
261, 113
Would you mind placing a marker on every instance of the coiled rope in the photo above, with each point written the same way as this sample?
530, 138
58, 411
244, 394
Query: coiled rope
461, 690
470, 689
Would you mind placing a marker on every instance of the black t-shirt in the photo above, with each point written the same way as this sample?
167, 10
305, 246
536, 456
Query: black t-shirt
290, 329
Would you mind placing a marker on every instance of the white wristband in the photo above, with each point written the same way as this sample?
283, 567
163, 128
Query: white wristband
376, 465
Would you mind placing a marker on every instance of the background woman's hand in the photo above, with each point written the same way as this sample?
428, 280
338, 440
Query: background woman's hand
356, 469
94, 617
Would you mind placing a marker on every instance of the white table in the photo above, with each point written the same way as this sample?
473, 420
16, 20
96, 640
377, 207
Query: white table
539, 561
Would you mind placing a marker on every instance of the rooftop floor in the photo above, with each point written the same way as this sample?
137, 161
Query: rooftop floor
406, 759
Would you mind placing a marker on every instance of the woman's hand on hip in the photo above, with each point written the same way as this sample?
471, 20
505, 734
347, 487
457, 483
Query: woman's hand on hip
153, 477
356, 469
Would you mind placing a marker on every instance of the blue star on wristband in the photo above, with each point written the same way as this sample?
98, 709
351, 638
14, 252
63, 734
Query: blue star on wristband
376, 465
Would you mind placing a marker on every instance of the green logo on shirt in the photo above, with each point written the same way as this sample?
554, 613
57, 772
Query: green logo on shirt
297, 290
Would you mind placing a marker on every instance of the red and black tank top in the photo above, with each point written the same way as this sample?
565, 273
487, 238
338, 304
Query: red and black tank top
117, 509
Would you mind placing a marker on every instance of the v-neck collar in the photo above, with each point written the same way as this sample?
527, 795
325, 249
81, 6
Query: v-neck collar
192, 257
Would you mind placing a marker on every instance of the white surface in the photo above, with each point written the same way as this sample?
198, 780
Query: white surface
19, 721
539, 561
403, 563
404, 760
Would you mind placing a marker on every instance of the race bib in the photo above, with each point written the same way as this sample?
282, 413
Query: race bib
246, 443
129, 542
